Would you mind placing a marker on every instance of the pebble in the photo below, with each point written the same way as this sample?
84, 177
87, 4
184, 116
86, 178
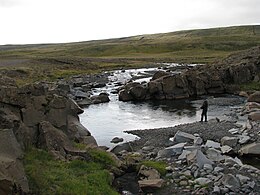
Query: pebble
208, 167
216, 190
187, 173
196, 174
182, 177
183, 183
224, 190
218, 169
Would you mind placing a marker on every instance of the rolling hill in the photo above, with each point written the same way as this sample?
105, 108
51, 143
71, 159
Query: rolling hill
189, 46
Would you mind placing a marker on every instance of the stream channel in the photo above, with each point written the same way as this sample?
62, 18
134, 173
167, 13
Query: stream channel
108, 120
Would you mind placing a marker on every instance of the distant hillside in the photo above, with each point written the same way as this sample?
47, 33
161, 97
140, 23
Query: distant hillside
189, 46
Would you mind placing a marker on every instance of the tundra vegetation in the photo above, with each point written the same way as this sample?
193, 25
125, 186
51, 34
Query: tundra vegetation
51, 61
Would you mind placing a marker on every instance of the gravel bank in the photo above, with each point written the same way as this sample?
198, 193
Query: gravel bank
159, 138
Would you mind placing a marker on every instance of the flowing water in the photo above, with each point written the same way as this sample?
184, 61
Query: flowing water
108, 120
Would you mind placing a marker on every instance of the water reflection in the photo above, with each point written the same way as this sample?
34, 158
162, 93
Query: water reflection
108, 120
179, 107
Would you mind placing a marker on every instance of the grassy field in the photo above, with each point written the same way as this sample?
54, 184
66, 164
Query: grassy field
49, 176
51, 61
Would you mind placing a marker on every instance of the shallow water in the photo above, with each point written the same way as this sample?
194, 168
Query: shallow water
108, 120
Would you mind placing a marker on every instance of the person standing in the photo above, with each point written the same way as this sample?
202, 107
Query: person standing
204, 108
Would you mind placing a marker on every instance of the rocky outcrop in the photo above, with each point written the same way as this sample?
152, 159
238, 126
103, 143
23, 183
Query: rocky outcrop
221, 77
11, 166
35, 116
79, 88
255, 97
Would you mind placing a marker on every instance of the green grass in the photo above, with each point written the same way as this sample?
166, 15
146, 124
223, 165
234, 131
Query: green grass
252, 86
160, 166
49, 176
101, 157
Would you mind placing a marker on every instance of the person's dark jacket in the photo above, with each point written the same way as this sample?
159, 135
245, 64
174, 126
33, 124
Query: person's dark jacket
204, 106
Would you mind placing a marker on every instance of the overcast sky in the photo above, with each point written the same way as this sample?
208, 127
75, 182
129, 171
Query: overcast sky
56, 21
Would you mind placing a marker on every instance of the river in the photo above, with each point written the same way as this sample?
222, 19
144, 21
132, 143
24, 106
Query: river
108, 120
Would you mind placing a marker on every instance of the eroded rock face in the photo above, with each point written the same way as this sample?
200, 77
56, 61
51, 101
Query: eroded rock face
11, 167
35, 116
221, 77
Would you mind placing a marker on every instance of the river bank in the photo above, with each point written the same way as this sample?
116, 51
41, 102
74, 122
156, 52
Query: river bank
200, 157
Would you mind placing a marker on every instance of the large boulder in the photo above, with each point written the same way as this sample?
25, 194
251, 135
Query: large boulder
80, 94
73, 108
90, 141
242, 73
7, 118
148, 173
197, 157
229, 141
138, 92
171, 151
53, 139
84, 102
58, 102
58, 110
150, 185
214, 155
254, 116
168, 84
75, 130
231, 182
181, 137
200, 87
121, 147
159, 74
155, 87
251, 106
11, 95
212, 144
125, 96
255, 97
57, 117
253, 148
116, 140
11, 166
32, 116
101, 98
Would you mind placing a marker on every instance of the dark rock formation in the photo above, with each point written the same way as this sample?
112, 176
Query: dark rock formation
255, 97
101, 98
221, 77
35, 116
